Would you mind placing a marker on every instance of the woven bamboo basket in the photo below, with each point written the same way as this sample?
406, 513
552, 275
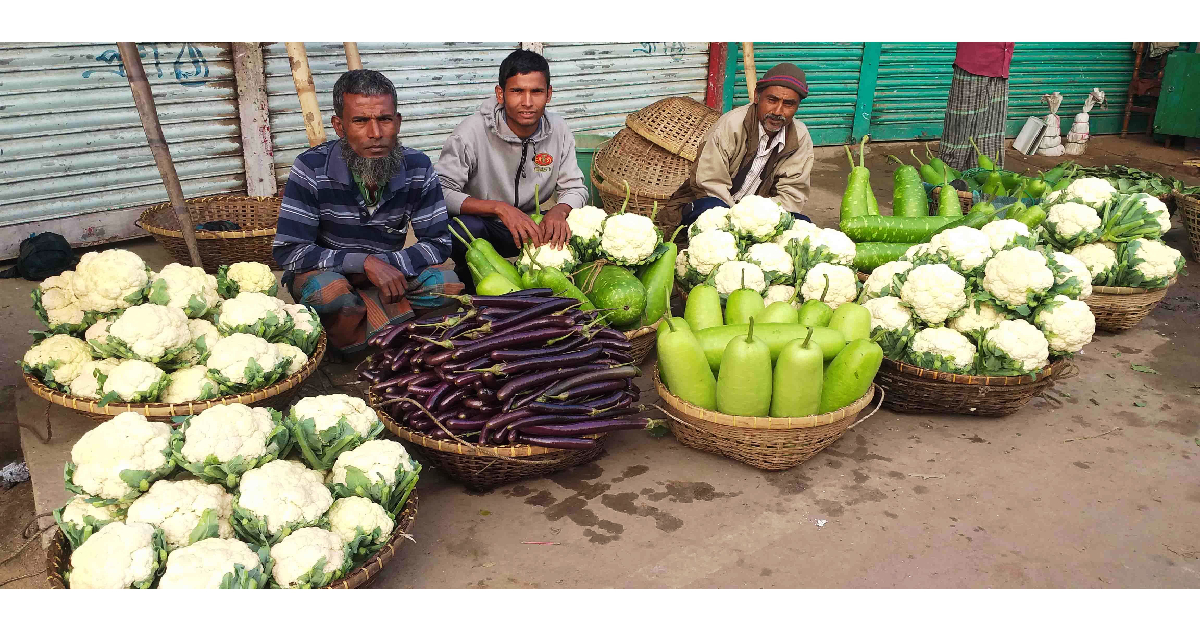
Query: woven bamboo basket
965, 198
275, 395
651, 170
766, 443
1121, 308
58, 558
643, 340
669, 212
678, 124
487, 467
256, 215
1190, 207
911, 389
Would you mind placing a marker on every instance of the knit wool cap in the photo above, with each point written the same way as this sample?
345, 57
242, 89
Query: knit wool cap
785, 75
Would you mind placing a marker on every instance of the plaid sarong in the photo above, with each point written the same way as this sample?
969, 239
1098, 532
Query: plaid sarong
977, 107
328, 292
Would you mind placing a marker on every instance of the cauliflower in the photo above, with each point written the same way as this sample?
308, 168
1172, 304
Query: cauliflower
1070, 224
277, 498
827, 245
55, 304
119, 556
547, 255
735, 274
295, 354
362, 524
380, 470
306, 331
758, 219
1018, 278
79, 519
926, 254
1012, 348
780, 293
1008, 233
1147, 264
707, 251
149, 332
1100, 260
832, 284
190, 384
222, 442
186, 288
133, 381
712, 219
186, 511
966, 247
1157, 209
799, 231
57, 360
241, 363
942, 349
204, 337
935, 293
977, 317
630, 240
681, 264
245, 277
97, 334
257, 314
879, 283
1067, 324
117, 461
110, 280
324, 427
87, 384
892, 325
1092, 191
216, 563
310, 558
585, 224
1071, 277
773, 260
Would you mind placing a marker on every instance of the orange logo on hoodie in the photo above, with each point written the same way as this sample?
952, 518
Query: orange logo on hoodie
543, 159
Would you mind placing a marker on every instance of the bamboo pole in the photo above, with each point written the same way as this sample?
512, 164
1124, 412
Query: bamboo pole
751, 73
307, 92
353, 60
143, 98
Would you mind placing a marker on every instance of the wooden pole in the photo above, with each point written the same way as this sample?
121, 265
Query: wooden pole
307, 91
751, 73
256, 123
717, 52
353, 61
143, 98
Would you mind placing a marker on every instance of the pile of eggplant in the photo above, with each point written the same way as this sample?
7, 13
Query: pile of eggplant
520, 368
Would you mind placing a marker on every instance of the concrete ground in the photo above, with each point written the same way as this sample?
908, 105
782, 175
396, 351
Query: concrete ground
1095, 485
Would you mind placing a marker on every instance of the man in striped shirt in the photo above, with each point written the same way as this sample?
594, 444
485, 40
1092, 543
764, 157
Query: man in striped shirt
345, 215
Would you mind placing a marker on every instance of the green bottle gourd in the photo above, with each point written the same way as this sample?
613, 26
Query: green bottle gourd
852, 320
780, 313
703, 308
683, 366
744, 378
816, 312
948, 203
797, 380
908, 193
849, 374
743, 304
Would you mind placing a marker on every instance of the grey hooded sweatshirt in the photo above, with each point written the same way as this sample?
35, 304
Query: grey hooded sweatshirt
484, 159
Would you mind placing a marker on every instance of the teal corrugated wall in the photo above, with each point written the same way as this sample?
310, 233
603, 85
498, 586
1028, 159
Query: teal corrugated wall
1071, 69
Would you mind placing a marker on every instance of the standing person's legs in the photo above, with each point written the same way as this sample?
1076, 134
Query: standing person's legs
966, 108
490, 229
992, 120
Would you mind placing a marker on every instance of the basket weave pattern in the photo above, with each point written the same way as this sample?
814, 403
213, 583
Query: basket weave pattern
1190, 207
651, 170
1121, 308
643, 340
256, 215
911, 389
670, 212
965, 198
678, 124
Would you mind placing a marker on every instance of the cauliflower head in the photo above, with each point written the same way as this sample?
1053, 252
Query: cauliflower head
1067, 324
1012, 348
257, 314
187, 511
362, 524
117, 461
758, 219
1071, 224
547, 255
966, 247
380, 470
242, 362
306, 330
79, 519
204, 336
188, 385
119, 556
775, 262
297, 356
110, 280
712, 219
310, 558
735, 274
892, 325
799, 231
186, 288
222, 442
780, 293
151, 333
879, 283
1007, 233
97, 334
1147, 264
977, 317
87, 384
1072, 278
57, 360
585, 224
840, 280
278, 498
630, 240
323, 427
1093, 191
215, 563
943, 349
1018, 278
925, 254
55, 303
827, 245
1099, 259
246, 277
1157, 209
935, 293
707, 251
133, 381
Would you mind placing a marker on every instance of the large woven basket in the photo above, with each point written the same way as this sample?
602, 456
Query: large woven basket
678, 124
651, 170
487, 467
257, 217
643, 340
276, 396
766, 443
1190, 213
911, 389
1121, 308
667, 217
58, 558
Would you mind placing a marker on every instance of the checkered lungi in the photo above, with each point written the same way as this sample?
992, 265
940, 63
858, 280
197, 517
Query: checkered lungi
978, 108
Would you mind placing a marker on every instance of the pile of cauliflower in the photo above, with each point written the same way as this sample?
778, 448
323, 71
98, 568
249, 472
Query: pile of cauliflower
216, 502
119, 332
784, 259
992, 302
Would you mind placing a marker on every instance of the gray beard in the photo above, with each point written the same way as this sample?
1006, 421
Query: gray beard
375, 173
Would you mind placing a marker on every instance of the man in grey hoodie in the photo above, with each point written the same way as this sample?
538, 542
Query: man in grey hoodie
491, 163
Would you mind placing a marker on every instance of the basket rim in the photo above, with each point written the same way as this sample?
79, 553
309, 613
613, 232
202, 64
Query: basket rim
760, 422
1130, 290
920, 373
166, 411
205, 234
643, 331
603, 188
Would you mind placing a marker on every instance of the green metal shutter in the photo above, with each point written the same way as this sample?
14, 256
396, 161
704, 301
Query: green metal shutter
1071, 69
911, 90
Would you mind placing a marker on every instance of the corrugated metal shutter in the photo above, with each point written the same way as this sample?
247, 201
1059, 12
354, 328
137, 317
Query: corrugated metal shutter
1072, 69
72, 142
911, 90
832, 70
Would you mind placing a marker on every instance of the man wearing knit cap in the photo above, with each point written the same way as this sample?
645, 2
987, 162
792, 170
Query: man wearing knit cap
757, 149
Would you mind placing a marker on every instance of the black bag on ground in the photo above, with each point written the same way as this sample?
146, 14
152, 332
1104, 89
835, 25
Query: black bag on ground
42, 255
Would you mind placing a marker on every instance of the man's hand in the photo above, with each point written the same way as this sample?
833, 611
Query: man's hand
390, 280
555, 230
522, 227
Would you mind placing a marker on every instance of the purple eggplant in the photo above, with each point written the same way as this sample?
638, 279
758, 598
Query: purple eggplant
450, 400
526, 382
599, 405
594, 377
569, 359
589, 389
587, 427
572, 443
518, 355
495, 342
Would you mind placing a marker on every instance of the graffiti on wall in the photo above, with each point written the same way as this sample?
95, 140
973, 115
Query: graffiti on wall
190, 67
675, 50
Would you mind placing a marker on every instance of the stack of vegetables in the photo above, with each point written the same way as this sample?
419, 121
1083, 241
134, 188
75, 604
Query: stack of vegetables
1129, 180
521, 368
117, 331
215, 502
616, 263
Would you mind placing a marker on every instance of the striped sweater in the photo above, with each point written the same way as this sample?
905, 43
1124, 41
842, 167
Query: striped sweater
324, 222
